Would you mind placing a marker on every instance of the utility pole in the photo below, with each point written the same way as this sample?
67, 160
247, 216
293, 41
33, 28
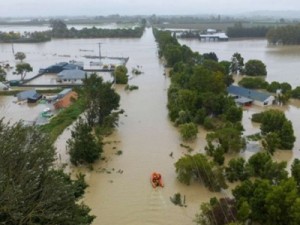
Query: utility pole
99, 50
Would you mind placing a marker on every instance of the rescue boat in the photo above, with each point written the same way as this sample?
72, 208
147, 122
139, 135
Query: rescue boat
156, 180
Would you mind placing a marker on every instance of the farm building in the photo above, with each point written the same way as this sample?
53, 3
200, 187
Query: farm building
244, 96
57, 68
31, 96
70, 75
65, 98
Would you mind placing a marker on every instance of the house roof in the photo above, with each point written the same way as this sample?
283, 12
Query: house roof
71, 74
72, 67
247, 93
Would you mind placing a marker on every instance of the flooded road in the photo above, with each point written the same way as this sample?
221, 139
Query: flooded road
119, 190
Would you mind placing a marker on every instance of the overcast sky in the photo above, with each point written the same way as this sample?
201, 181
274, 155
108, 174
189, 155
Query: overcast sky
35, 8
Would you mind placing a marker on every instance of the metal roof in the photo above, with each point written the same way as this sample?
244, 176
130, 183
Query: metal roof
71, 75
26, 94
247, 93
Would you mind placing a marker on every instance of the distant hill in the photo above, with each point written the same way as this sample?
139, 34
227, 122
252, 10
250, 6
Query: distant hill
287, 14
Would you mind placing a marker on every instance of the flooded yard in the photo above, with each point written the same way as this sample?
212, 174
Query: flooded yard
119, 190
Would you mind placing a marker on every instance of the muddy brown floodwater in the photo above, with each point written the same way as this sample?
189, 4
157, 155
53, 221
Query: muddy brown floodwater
119, 187
119, 191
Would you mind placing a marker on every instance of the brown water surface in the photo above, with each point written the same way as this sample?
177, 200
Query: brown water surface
119, 190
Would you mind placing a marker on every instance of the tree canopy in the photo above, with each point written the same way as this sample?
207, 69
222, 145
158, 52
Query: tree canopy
20, 56
22, 69
100, 100
255, 67
83, 146
199, 168
31, 190
274, 121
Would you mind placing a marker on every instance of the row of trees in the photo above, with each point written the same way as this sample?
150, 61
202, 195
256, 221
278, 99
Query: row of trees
286, 35
239, 31
29, 37
197, 95
60, 30
101, 103
198, 90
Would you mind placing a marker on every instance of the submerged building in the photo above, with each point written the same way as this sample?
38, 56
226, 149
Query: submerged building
245, 96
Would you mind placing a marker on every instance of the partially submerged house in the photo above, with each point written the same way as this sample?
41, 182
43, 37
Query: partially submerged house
71, 76
31, 96
57, 68
245, 96
65, 98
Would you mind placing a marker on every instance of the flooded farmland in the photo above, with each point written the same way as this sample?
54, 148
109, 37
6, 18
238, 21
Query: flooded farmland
119, 190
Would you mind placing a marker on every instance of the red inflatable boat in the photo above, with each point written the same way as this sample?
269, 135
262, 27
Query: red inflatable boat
156, 180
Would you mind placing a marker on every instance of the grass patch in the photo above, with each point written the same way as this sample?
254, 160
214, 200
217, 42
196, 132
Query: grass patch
254, 137
42, 91
64, 119
131, 87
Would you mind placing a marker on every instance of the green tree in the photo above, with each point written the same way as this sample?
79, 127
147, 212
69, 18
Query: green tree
217, 212
279, 202
255, 68
22, 69
295, 169
83, 146
20, 56
274, 86
120, 75
274, 121
237, 63
173, 54
262, 166
255, 195
234, 114
237, 170
254, 83
285, 87
295, 93
244, 211
100, 99
271, 142
229, 138
286, 135
188, 131
199, 168
210, 56
32, 191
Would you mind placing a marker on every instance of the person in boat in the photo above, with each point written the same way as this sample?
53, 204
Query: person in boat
156, 179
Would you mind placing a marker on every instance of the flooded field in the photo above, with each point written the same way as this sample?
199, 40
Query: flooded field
119, 190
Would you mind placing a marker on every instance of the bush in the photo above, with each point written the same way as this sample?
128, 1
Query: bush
120, 74
254, 83
83, 146
188, 131
255, 68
